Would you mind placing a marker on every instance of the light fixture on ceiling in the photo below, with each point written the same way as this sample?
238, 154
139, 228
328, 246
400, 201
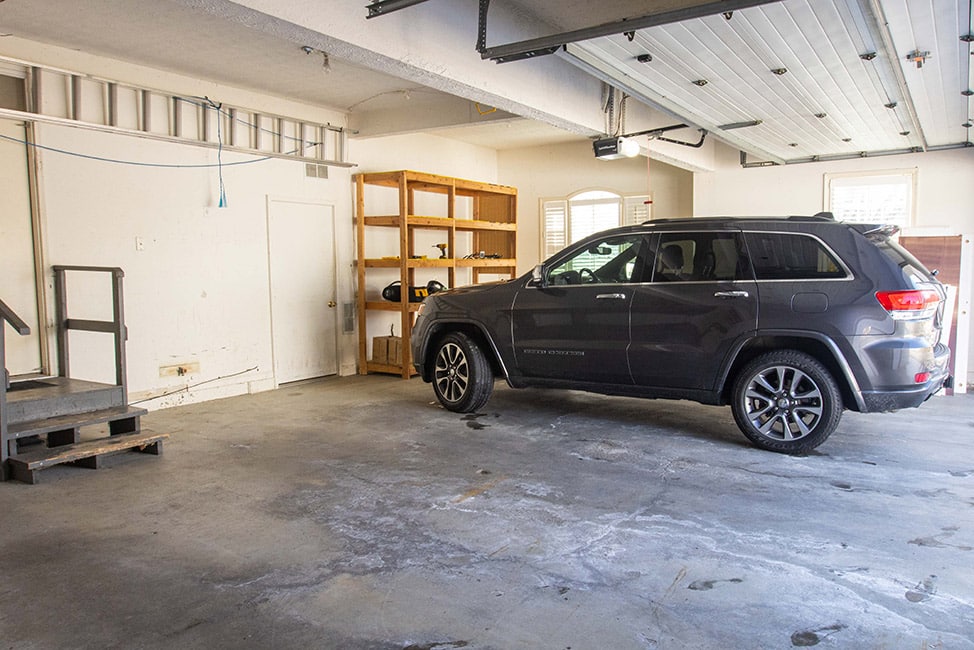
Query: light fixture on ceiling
967, 93
821, 116
644, 58
918, 57
868, 56
615, 148
891, 105
967, 38
738, 125
779, 71
968, 124
792, 144
700, 82
847, 139
904, 133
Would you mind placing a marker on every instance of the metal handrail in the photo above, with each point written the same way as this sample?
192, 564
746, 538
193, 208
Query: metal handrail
23, 329
15, 321
116, 326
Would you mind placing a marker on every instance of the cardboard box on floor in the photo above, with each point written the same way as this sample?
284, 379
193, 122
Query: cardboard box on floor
387, 349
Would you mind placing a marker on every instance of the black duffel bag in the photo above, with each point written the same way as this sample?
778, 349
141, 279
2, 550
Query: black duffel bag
393, 292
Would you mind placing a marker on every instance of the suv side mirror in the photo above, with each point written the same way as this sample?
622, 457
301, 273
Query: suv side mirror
537, 277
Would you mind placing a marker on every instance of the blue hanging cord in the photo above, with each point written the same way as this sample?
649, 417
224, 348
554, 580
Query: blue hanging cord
219, 151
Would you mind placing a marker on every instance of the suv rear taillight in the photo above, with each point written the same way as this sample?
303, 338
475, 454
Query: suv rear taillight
909, 305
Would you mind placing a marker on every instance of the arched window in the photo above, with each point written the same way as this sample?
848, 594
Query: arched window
567, 220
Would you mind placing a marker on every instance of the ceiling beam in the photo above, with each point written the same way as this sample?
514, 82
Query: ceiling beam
550, 44
383, 7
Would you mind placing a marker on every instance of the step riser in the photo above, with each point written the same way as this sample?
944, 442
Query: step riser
49, 407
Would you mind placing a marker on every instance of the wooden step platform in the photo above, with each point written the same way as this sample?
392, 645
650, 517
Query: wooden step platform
64, 429
54, 396
25, 467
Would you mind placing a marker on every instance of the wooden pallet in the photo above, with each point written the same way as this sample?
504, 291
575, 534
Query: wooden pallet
25, 467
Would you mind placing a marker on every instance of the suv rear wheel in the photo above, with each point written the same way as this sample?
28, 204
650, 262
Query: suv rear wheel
786, 401
462, 378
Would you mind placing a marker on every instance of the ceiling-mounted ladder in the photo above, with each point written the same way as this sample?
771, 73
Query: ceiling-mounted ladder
67, 98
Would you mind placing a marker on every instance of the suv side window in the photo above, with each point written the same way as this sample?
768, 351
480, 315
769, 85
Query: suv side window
700, 257
610, 261
791, 256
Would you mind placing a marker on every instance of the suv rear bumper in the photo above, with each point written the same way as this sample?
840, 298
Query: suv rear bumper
903, 359
892, 400
878, 401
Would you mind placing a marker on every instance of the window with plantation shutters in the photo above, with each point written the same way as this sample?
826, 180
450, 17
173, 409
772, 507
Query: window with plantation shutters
872, 197
636, 210
567, 220
555, 227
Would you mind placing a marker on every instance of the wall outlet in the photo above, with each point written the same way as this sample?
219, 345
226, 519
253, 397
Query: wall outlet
180, 369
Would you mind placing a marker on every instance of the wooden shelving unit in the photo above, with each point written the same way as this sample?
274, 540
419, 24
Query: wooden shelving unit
491, 222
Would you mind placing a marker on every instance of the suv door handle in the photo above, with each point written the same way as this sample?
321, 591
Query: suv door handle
731, 294
611, 296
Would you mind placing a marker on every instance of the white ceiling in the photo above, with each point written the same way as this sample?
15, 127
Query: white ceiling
797, 66
817, 41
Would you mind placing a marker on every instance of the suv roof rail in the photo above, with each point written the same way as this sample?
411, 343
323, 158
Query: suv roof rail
819, 216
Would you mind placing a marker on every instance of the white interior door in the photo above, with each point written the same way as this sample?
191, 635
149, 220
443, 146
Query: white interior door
301, 243
18, 287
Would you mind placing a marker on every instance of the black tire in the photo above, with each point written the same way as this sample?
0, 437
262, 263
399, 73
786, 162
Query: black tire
462, 377
786, 401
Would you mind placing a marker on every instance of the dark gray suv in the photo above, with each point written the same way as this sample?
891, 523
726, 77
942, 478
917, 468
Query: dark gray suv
788, 320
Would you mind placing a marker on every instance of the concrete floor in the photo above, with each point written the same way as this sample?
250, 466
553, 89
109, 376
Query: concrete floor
356, 513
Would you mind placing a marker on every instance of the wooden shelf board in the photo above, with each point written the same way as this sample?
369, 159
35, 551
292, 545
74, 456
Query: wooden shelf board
382, 264
470, 224
430, 222
389, 369
477, 262
430, 263
390, 220
441, 223
385, 305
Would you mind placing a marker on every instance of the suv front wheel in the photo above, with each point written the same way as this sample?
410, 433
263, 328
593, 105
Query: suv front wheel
786, 401
462, 377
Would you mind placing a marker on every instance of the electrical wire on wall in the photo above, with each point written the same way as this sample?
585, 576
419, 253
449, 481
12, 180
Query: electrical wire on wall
188, 387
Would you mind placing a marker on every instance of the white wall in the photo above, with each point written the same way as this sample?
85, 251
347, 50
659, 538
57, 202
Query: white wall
199, 290
945, 186
559, 170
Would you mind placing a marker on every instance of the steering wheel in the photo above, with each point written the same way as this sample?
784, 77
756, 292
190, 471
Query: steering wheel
590, 279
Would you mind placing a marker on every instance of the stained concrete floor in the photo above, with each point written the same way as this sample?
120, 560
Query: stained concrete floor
356, 513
